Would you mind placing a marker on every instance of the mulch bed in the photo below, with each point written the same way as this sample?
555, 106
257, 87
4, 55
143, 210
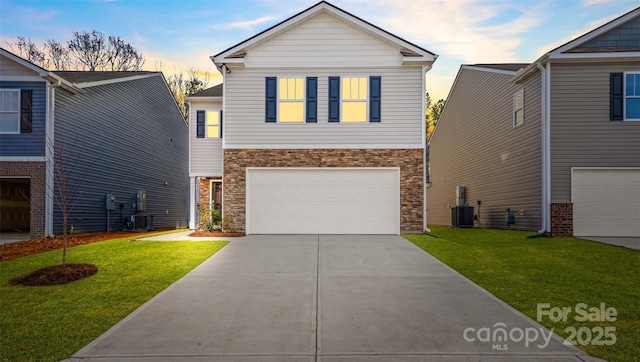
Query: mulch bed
53, 275
207, 233
34, 246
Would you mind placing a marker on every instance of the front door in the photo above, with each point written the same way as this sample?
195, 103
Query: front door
216, 195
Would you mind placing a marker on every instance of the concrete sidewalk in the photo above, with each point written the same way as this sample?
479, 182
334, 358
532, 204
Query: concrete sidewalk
324, 298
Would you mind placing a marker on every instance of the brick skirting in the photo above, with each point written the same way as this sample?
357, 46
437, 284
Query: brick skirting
408, 160
36, 172
562, 219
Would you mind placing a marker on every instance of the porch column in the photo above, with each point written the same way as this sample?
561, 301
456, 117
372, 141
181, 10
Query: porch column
192, 203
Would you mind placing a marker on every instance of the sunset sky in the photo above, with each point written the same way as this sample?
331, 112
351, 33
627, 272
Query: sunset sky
183, 34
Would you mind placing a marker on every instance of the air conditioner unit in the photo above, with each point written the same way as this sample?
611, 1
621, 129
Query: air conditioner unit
143, 222
462, 216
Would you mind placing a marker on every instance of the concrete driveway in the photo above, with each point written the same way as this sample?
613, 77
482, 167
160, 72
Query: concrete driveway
325, 298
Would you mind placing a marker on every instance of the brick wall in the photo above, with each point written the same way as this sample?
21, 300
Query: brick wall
36, 172
409, 160
561, 219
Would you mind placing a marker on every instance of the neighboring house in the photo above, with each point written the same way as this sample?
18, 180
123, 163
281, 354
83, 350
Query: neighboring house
323, 128
130, 137
205, 152
557, 141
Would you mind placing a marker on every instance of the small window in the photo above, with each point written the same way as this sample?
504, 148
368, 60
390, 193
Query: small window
518, 108
632, 96
354, 99
291, 100
9, 111
213, 124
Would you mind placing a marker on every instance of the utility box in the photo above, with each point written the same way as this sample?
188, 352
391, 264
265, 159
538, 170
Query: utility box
141, 200
461, 195
110, 202
462, 216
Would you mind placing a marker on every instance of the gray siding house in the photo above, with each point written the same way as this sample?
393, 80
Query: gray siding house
557, 141
330, 144
123, 136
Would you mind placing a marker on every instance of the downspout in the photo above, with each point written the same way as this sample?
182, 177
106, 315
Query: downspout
425, 146
48, 157
545, 134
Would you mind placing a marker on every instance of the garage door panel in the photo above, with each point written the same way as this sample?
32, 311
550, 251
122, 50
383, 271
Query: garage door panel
323, 201
606, 202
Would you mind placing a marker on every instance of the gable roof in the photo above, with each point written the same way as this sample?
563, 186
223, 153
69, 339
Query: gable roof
412, 53
91, 78
212, 92
45, 74
573, 49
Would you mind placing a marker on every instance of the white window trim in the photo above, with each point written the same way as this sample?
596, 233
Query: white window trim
206, 124
624, 97
304, 99
514, 110
368, 93
19, 109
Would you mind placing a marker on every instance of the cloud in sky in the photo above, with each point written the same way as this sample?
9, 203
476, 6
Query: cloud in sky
468, 30
248, 24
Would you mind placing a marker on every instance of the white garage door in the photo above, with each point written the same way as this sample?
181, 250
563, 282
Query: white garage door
323, 200
606, 201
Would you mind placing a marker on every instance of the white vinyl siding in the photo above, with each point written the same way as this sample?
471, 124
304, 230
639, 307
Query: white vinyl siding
323, 41
402, 113
205, 154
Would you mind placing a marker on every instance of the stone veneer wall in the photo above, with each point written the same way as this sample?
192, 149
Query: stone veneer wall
409, 160
36, 171
205, 189
561, 219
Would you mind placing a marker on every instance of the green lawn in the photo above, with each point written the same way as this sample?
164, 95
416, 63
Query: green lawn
523, 270
50, 323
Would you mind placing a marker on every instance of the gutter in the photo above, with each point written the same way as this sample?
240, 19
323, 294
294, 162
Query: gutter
546, 140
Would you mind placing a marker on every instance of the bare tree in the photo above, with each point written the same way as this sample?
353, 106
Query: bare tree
57, 54
182, 86
63, 156
27, 49
85, 51
122, 56
88, 49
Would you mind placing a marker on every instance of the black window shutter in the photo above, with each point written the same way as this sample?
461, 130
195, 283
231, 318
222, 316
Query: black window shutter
375, 92
271, 98
334, 99
616, 105
200, 124
312, 99
221, 124
26, 111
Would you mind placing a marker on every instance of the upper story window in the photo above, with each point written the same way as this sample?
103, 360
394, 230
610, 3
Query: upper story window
9, 111
518, 108
208, 124
624, 101
632, 96
213, 124
354, 99
291, 100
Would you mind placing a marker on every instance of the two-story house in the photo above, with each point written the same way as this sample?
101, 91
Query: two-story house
323, 129
125, 150
557, 141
